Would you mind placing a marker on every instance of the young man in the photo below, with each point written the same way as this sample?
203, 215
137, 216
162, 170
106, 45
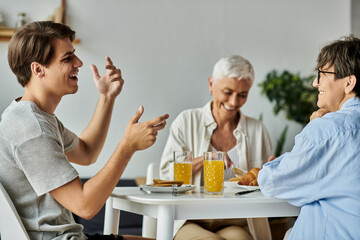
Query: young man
36, 149
321, 173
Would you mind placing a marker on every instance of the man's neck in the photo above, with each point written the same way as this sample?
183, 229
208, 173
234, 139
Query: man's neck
45, 102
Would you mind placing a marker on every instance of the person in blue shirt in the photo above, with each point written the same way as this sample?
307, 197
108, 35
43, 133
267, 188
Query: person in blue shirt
321, 174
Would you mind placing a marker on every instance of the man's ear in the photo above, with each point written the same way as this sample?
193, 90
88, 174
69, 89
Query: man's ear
350, 84
37, 69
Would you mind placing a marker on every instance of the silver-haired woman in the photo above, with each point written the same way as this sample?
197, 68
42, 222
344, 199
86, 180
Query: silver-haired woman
221, 126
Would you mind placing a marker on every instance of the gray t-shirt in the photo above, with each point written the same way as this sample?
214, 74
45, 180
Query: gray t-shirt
32, 163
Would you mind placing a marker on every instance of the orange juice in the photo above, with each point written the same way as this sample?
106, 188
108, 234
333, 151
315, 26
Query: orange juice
213, 176
182, 172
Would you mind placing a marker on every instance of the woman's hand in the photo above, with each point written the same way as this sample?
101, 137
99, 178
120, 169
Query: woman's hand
318, 114
228, 163
272, 157
198, 163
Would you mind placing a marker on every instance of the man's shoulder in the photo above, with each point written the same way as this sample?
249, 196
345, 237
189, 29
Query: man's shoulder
19, 123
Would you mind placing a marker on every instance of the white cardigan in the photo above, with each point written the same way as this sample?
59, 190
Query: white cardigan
192, 131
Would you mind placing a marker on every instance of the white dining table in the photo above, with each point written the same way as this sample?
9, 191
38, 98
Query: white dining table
167, 207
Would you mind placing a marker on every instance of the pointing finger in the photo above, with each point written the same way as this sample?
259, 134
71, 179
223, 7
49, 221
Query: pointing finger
159, 120
159, 126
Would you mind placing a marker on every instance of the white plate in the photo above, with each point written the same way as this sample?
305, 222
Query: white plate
180, 189
235, 184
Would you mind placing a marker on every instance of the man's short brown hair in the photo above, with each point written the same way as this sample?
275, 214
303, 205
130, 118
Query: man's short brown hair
33, 43
344, 55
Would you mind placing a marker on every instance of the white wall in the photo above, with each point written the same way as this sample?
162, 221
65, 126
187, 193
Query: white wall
355, 17
167, 48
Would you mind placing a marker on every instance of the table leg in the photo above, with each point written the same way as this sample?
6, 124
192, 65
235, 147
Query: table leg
112, 217
165, 223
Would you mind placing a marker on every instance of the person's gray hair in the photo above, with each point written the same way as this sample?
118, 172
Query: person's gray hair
233, 67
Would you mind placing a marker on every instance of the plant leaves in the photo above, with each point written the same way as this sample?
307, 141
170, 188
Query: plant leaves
292, 94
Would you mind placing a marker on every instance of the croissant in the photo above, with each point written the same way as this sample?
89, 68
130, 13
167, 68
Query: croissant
250, 178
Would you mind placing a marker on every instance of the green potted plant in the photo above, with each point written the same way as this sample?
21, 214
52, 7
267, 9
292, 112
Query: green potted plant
292, 94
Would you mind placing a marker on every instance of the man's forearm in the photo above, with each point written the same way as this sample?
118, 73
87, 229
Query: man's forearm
98, 188
93, 137
95, 134
85, 200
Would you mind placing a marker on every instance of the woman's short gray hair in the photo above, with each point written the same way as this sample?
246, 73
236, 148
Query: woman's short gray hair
233, 67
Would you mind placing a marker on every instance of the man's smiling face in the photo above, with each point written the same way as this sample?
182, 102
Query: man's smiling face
62, 70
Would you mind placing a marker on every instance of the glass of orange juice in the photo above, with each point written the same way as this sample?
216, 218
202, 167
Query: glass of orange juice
214, 172
182, 166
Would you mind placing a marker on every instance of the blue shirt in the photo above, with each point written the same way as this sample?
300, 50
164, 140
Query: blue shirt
321, 175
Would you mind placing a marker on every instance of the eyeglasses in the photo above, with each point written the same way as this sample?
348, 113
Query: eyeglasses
318, 74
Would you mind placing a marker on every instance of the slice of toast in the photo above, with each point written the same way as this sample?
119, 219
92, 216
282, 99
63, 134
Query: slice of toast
166, 183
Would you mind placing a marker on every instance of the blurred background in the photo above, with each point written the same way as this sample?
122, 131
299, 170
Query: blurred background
166, 50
